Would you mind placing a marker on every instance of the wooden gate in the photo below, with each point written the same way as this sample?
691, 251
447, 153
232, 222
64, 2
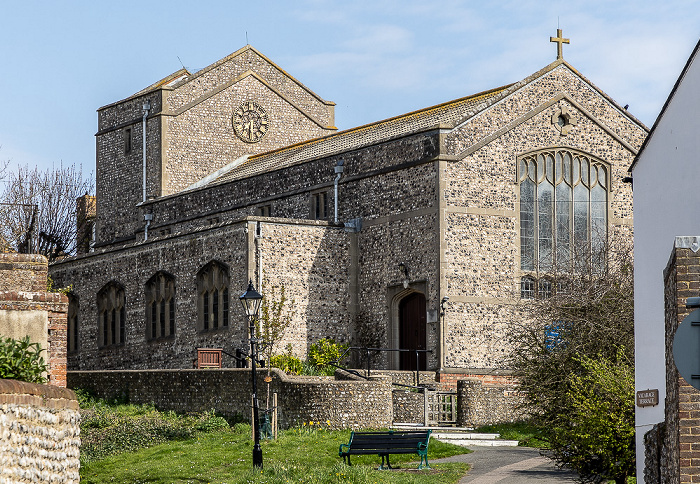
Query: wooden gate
440, 408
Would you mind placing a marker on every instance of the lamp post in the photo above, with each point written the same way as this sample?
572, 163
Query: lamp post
251, 300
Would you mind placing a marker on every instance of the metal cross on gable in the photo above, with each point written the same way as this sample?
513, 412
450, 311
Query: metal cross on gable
559, 40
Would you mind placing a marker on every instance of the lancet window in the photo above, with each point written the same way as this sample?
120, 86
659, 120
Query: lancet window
213, 297
563, 211
73, 322
111, 315
160, 306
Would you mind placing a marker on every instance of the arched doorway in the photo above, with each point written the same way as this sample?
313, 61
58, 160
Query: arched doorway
412, 331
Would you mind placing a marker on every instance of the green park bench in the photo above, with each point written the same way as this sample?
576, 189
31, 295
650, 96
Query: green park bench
385, 443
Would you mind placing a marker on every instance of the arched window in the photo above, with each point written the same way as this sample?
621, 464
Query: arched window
212, 300
563, 211
528, 287
73, 322
160, 306
111, 315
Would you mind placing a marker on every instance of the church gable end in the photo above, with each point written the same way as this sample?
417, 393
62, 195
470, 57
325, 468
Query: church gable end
195, 125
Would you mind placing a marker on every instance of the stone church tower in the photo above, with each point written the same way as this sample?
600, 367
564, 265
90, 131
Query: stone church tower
196, 124
449, 220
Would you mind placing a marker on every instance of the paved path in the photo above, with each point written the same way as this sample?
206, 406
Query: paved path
510, 465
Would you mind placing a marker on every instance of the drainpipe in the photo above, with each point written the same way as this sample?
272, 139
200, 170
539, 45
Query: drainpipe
147, 216
146, 109
339, 173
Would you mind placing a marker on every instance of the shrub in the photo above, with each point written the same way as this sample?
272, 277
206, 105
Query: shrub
22, 360
325, 351
287, 363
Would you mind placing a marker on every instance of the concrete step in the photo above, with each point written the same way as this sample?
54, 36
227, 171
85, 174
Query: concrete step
474, 440
465, 437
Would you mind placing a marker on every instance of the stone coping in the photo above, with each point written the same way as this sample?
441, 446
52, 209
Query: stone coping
23, 258
14, 392
34, 297
278, 374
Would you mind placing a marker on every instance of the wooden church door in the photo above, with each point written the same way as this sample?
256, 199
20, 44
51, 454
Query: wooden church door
412, 331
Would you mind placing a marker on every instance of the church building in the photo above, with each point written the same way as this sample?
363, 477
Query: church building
431, 230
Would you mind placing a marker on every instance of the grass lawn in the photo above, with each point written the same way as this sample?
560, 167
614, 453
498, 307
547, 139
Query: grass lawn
298, 456
138, 444
525, 433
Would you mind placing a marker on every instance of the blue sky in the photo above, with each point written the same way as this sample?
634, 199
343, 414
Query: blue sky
62, 60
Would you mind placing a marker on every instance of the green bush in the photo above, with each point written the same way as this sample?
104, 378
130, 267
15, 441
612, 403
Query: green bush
287, 363
325, 351
22, 360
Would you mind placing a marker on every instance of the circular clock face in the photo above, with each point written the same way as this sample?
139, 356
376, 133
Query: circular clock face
250, 122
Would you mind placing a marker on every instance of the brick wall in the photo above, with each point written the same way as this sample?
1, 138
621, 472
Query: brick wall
26, 309
675, 445
40, 428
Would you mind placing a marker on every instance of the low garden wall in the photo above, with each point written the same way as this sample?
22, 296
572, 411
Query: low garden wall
336, 404
479, 403
409, 407
39, 434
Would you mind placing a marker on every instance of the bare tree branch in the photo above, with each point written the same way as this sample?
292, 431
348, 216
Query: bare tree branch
37, 210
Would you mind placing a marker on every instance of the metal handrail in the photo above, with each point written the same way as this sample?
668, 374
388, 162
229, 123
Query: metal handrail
367, 351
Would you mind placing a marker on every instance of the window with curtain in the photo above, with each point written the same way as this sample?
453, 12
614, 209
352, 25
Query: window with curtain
563, 211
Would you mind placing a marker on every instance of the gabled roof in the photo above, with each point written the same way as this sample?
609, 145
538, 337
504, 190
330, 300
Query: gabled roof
666, 104
183, 76
447, 115
241, 51
167, 81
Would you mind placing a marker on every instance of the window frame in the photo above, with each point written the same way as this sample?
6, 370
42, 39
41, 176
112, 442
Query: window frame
160, 306
213, 297
319, 205
111, 315
535, 169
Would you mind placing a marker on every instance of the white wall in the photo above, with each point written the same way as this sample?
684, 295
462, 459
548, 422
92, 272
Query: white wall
666, 204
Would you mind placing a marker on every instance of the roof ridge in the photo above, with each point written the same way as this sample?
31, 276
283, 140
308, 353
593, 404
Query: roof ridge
152, 87
242, 50
377, 123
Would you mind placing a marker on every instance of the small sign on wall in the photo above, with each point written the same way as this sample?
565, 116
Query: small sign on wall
647, 398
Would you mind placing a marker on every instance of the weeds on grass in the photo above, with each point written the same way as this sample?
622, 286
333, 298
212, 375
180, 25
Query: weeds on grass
110, 428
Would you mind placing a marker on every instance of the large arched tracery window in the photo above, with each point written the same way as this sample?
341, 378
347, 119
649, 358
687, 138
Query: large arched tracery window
563, 210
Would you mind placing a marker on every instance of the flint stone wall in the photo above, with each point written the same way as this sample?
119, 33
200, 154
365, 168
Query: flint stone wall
486, 404
409, 407
39, 434
336, 404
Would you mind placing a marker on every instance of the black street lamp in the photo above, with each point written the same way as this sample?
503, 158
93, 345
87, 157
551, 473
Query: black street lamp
251, 300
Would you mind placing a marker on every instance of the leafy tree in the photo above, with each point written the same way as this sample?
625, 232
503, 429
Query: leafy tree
274, 320
37, 210
22, 360
325, 351
597, 437
587, 317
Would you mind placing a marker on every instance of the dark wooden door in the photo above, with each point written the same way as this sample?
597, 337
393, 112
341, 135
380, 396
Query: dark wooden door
412, 331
